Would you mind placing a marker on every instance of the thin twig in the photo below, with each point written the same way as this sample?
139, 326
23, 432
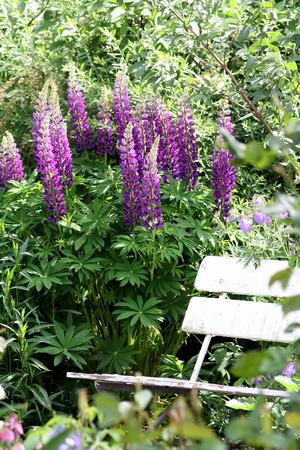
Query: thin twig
37, 15
226, 69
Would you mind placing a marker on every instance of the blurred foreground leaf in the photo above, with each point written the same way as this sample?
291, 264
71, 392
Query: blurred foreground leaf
271, 361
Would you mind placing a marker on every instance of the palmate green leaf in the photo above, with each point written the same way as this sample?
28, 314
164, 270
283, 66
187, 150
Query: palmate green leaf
67, 342
58, 359
170, 252
114, 355
81, 241
145, 312
97, 217
175, 307
165, 285
129, 272
126, 244
51, 350
77, 359
68, 336
59, 331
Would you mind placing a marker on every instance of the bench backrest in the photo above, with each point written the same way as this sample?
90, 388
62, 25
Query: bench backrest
237, 318
230, 275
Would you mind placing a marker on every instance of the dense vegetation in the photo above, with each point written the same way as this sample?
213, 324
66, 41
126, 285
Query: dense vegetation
116, 121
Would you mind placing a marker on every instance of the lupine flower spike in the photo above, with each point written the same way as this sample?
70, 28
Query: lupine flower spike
81, 131
122, 106
188, 152
59, 141
167, 154
145, 125
105, 132
223, 172
11, 167
130, 178
151, 194
45, 159
143, 137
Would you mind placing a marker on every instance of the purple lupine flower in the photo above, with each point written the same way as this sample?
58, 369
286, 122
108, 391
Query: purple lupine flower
289, 370
122, 106
11, 167
245, 224
130, 179
223, 172
168, 151
224, 176
150, 191
45, 159
124, 116
81, 131
2, 169
59, 141
143, 137
105, 132
188, 152
147, 128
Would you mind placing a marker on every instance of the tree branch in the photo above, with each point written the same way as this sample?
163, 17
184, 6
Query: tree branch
37, 15
226, 69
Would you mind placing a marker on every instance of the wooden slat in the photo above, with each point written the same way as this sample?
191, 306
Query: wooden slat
240, 319
170, 385
230, 275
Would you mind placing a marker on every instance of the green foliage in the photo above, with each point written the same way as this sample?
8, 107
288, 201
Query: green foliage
172, 367
21, 368
110, 423
115, 356
252, 364
128, 291
67, 342
140, 312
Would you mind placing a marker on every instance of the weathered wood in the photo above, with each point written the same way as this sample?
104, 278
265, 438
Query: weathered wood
240, 319
228, 274
170, 385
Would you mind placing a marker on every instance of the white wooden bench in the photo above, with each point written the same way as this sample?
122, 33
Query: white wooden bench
261, 321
